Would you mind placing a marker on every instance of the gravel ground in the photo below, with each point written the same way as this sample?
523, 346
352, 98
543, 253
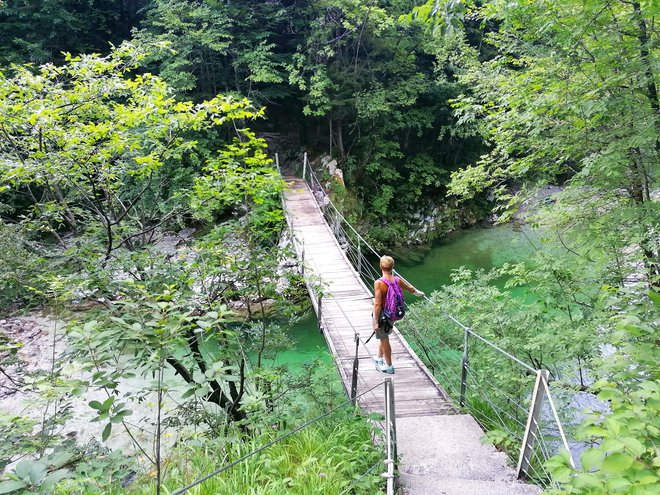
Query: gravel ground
39, 333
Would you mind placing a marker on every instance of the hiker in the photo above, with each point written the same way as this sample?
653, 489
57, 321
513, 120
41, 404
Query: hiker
387, 292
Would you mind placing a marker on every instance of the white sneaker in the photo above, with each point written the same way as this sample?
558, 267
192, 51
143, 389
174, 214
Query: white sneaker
387, 368
378, 360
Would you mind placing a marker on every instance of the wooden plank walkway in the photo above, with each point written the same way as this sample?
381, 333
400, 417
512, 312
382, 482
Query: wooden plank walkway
346, 308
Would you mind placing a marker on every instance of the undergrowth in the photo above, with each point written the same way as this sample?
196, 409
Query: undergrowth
328, 457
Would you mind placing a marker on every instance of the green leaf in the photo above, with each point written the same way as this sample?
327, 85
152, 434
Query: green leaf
634, 445
612, 444
106, 432
9, 486
617, 463
655, 297
96, 405
202, 391
107, 403
53, 478
59, 459
618, 484
591, 459
119, 417
188, 393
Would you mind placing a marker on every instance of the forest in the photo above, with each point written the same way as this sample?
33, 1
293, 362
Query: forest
147, 280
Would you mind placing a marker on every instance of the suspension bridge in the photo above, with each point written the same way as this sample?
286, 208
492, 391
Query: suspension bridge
438, 445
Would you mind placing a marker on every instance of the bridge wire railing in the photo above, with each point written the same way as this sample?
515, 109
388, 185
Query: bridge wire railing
387, 428
522, 408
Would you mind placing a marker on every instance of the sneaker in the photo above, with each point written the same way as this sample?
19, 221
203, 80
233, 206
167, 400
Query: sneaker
387, 368
379, 361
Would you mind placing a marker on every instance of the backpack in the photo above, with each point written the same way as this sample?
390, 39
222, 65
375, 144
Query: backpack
394, 308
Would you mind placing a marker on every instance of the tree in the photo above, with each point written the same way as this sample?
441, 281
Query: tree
40, 31
572, 98
234, 47
370, 77
623, 457
89, 147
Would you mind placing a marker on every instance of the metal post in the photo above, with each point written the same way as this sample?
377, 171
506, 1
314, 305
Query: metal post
390, 435
304, 165
395, 453
526, 449
277, 163
559, 426
356, 365
464, 368
302, 259
319, 308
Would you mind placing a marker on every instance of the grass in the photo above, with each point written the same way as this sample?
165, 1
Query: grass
328, 457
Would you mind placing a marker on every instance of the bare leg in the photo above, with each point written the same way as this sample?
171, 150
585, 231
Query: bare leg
385, 350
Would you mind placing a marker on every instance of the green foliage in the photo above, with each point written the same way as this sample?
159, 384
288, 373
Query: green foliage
383, 85
22, 264
241, 173
571, 98
95, 142
17, 432
38, 31
37, 476
445, 16
220, 46
624, 458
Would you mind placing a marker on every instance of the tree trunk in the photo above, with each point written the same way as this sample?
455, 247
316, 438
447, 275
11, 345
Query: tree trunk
340, 140
651, 90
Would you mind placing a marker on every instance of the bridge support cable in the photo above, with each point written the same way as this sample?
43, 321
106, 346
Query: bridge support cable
498, 405
487, 400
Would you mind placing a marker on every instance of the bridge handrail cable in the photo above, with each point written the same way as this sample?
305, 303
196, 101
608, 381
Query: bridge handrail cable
315, 179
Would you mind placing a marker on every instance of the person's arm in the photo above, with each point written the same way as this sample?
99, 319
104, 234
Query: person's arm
378, 302
406, 286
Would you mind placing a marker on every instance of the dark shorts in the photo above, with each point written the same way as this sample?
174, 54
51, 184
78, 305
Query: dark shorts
384, 329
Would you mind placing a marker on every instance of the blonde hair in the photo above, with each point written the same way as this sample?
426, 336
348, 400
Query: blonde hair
386, 263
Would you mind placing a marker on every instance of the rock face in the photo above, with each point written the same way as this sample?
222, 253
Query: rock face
438, 221
330, 164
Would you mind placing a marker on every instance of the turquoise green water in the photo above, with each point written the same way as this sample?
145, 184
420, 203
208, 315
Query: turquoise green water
428, 271
475, 249
307, 344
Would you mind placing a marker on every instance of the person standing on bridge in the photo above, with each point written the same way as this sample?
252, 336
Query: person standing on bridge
382, 325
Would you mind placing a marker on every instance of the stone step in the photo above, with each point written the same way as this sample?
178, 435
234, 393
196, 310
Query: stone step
443, 486
444, 455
